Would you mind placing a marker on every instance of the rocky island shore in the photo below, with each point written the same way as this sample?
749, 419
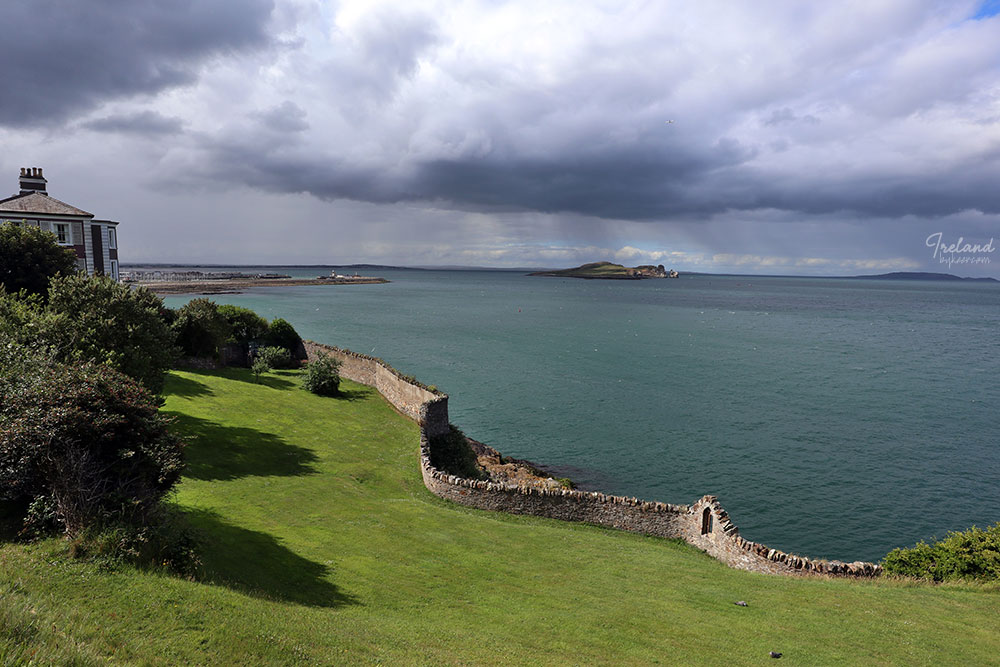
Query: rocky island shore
610, 271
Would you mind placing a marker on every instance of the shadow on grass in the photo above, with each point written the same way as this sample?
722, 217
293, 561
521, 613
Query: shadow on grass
217, 452
185, 387
258, 565
270, 380
360, 394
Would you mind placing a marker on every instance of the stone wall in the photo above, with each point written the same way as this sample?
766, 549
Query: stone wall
704, 524
427, 407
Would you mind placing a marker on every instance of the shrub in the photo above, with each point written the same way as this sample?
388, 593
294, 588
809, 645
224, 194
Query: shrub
201, 329
972, 554
244, 324
259, 367
282, 334
20, 317
29, 258
83, 445
323, 376
98, 319
275, 357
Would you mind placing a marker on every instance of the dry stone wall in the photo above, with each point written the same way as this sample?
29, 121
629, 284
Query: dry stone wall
426, 407
704, 524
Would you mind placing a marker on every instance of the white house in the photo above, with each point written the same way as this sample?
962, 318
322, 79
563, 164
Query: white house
94, 241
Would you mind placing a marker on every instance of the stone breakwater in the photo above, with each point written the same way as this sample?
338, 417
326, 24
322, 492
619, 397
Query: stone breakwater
704, 523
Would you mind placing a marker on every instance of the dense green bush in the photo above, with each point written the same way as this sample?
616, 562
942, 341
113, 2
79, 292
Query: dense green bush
94, 319
29, 258
20, 317
282, 334
323, 376
245, 325
201, 329
81, 445
275, 357
971, 554
98, 319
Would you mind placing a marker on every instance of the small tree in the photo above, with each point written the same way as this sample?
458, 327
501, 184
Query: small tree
201, 329
29, 258
323, 376
98, 319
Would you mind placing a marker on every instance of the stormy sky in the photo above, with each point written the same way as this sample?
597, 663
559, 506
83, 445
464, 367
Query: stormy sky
767, 137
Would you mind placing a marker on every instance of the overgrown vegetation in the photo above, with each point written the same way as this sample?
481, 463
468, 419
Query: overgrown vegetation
970, 554
94, 319
245, 326
323, 375
84, 450
452, 454
29, 258
82, 446
201, 329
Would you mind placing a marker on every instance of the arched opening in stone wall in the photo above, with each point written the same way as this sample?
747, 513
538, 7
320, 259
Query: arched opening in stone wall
706, 521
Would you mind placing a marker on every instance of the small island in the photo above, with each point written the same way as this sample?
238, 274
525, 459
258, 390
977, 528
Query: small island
610, 271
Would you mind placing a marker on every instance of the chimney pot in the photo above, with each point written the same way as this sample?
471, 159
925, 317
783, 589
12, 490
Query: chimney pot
22, 171
40, 173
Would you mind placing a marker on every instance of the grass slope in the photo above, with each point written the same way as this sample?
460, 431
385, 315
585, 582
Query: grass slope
323, 545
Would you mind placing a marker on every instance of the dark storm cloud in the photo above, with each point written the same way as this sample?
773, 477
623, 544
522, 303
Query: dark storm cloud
638, 183
62, 59
143, 123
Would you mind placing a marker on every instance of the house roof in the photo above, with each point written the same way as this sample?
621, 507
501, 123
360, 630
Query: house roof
38, 203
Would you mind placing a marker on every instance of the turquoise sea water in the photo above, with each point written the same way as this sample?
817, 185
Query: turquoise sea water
833, 418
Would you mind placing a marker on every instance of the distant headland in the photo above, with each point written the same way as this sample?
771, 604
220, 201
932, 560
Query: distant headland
916, 275
610, 271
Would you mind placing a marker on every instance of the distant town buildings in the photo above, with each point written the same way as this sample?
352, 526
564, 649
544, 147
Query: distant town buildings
94, 241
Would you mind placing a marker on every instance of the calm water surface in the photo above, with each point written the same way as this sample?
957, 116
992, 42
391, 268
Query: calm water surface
833, 418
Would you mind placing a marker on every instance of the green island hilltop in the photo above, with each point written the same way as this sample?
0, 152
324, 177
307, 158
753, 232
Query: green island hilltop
610, 271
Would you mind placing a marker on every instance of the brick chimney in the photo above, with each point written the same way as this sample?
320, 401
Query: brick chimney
32, 180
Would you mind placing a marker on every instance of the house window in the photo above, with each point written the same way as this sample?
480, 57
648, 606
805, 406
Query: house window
114, 268
706, 521
63, 234
112, 239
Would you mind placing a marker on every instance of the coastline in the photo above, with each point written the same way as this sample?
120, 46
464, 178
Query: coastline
517, 487
237, 285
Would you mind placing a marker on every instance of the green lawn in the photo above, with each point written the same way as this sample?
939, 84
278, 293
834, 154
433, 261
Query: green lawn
323, 545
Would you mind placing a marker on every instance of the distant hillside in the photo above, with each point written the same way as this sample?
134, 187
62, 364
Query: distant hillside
914, 275
608, 271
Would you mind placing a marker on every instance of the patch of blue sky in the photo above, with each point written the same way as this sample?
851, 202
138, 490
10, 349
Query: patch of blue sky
987, 9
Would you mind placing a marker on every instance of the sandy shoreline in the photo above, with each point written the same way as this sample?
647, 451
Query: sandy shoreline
237, 285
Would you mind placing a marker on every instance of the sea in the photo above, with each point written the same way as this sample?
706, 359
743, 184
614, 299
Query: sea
833, 418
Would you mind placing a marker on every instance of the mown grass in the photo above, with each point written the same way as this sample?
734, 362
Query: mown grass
322, 545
